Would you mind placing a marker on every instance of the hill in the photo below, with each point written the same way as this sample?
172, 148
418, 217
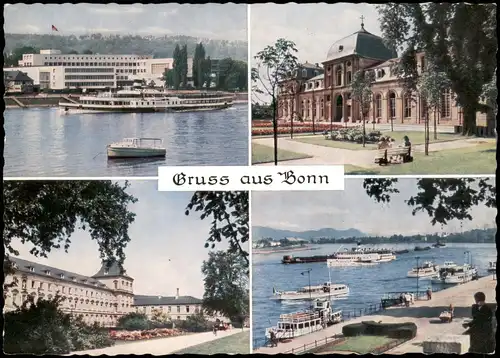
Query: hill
259, 232
157, 46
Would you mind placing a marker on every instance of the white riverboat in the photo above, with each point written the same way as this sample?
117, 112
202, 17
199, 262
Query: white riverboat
312, 292
353, 259
386, 257
137, 148
455, 274
145, 100
492, 266
427, 270
298, 324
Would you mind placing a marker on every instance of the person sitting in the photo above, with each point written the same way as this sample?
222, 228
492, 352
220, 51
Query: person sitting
451, 310
383, 143
482, 339
406, 141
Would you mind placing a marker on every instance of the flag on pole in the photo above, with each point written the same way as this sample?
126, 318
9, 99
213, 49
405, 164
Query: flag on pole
54, 28
274, 291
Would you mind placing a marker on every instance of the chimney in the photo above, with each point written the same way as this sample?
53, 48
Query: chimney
177, 295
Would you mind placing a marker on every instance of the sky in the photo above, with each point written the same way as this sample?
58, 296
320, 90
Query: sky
352, 208
166, 250
214, 21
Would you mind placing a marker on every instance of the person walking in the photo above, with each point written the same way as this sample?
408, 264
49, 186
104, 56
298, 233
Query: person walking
429, 294
482, 339
215, 330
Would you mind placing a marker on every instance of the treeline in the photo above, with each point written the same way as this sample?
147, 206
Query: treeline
472, 236
226, 74
261, 111
156, 46
266, 242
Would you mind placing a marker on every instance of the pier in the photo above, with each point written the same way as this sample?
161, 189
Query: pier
424, 313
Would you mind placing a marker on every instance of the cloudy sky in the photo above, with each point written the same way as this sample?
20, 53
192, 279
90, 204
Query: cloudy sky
313, 27
352, 208
166, 250
215, 21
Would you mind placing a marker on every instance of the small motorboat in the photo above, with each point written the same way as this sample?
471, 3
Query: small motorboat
137, 148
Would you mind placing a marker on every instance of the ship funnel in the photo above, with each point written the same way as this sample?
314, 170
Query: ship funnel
177, 294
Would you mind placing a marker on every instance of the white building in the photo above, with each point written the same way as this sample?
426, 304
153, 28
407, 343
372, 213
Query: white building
51, 69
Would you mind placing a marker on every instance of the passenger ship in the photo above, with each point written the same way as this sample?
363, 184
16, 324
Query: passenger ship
455, 274
427, 270
146, 100
312, 292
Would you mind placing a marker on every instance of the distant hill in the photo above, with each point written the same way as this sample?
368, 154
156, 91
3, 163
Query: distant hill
157, 46
259, 232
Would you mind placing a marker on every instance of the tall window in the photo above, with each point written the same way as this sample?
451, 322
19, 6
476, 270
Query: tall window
303, 109
338, 76
307, 108
321, 108
178, 309
446, 103
392, 105
304, 73
349, 77
187, 309
407, 105
314, 109
378, 106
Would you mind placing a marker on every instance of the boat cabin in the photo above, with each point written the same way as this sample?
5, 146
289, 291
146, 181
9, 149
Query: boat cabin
140, 142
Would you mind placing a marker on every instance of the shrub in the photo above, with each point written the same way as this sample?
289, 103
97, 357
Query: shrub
353, 329
195, 323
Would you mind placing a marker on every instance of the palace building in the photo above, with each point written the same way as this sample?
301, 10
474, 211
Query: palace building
322, 92
103, 297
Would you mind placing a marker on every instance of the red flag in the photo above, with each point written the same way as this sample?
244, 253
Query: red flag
54, 28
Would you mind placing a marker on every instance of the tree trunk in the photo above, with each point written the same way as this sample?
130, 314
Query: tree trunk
275, 130
364, 129
291, 119
469, 120
435, 126
426, 128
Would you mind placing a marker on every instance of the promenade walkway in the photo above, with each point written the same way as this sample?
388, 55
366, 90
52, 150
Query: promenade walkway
425, 314
160, 346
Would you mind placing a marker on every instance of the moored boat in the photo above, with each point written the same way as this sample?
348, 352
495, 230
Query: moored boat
427, 270
325, 290
137, 148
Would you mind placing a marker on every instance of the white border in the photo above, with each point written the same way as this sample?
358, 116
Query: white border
250, 260
80, 178
249, 85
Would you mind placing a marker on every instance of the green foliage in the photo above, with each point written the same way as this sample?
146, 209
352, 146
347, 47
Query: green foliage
234, 75
13, 58
431, 85
229, 213
177, 67
169, 78
459, 38
490, 94
42, 328
46, 214
226, 285
355, 135
200, 70
195, 323
183, 66
361, 89
261, 111
442, 199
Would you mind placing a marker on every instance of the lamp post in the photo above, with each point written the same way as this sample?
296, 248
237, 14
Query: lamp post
418, 271
308, 271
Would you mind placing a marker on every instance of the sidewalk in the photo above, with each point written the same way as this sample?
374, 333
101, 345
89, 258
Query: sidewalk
161, 346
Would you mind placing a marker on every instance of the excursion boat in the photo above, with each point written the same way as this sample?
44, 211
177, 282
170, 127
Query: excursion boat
312, 292
455, 274
387, 257
145, 100
137, 148
298, 324
492, 267
427, 270
353, 259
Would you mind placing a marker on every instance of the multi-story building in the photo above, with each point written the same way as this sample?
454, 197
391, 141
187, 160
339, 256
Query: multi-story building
103, 297
323, 92
51, 69
17, 82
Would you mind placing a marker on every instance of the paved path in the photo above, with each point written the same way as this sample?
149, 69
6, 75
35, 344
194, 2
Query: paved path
161, 346
322, 155
424, 314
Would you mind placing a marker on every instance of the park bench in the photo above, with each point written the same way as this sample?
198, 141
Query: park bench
384, 156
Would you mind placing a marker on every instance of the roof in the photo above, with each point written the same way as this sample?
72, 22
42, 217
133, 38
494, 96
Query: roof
387, 63
141, 300
110, 269
311, 65
361, 43
17, 76
318, 77
39, 269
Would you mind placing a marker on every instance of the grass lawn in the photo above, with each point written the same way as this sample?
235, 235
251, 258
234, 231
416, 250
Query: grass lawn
264, 154
238, 343
479, 159
416, 138
358, 344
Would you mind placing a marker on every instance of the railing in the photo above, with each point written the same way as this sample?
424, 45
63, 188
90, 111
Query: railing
316, 344
370, 309
388, 346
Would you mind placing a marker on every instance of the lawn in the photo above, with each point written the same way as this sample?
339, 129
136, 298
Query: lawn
416, 138
238, 343
478, 159
264, 154
358, 344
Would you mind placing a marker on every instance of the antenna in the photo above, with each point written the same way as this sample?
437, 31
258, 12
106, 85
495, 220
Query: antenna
362, 22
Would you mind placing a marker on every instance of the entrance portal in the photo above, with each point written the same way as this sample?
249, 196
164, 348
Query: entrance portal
339, 104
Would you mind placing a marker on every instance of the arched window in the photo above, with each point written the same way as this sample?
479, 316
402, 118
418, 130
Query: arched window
321, 108
378, 106
446, 103
407, 105
392, 105
338, 76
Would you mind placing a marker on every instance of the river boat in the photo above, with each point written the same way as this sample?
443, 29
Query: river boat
289, 259
137, 148
292, 325
135, 100
353, 259
386, 257
325, 290
420, 248
455, 274
439, 244
492, 266
399, 252
427, 270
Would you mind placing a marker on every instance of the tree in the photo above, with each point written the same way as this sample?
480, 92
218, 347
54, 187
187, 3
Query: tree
226, 285
431, 85
229, 213
207, 72
169, 78
442, 199
362, 93
183, 71
17, 55
275, 64
177, 67
198, 68
158, 317
459, 38
46, 213
490, 97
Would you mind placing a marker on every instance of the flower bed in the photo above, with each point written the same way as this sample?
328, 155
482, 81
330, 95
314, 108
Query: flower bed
355, 135
147, 334
286, 128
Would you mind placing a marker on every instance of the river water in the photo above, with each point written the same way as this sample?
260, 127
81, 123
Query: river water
43, 142
367, 284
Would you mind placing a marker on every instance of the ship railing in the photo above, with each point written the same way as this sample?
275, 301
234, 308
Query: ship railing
293, 318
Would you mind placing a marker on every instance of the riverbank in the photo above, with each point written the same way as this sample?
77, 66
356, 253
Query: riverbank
283, 250
425, 314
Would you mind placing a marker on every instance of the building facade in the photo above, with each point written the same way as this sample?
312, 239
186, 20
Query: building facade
51, 69
17, 82
323, 92
102, 298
